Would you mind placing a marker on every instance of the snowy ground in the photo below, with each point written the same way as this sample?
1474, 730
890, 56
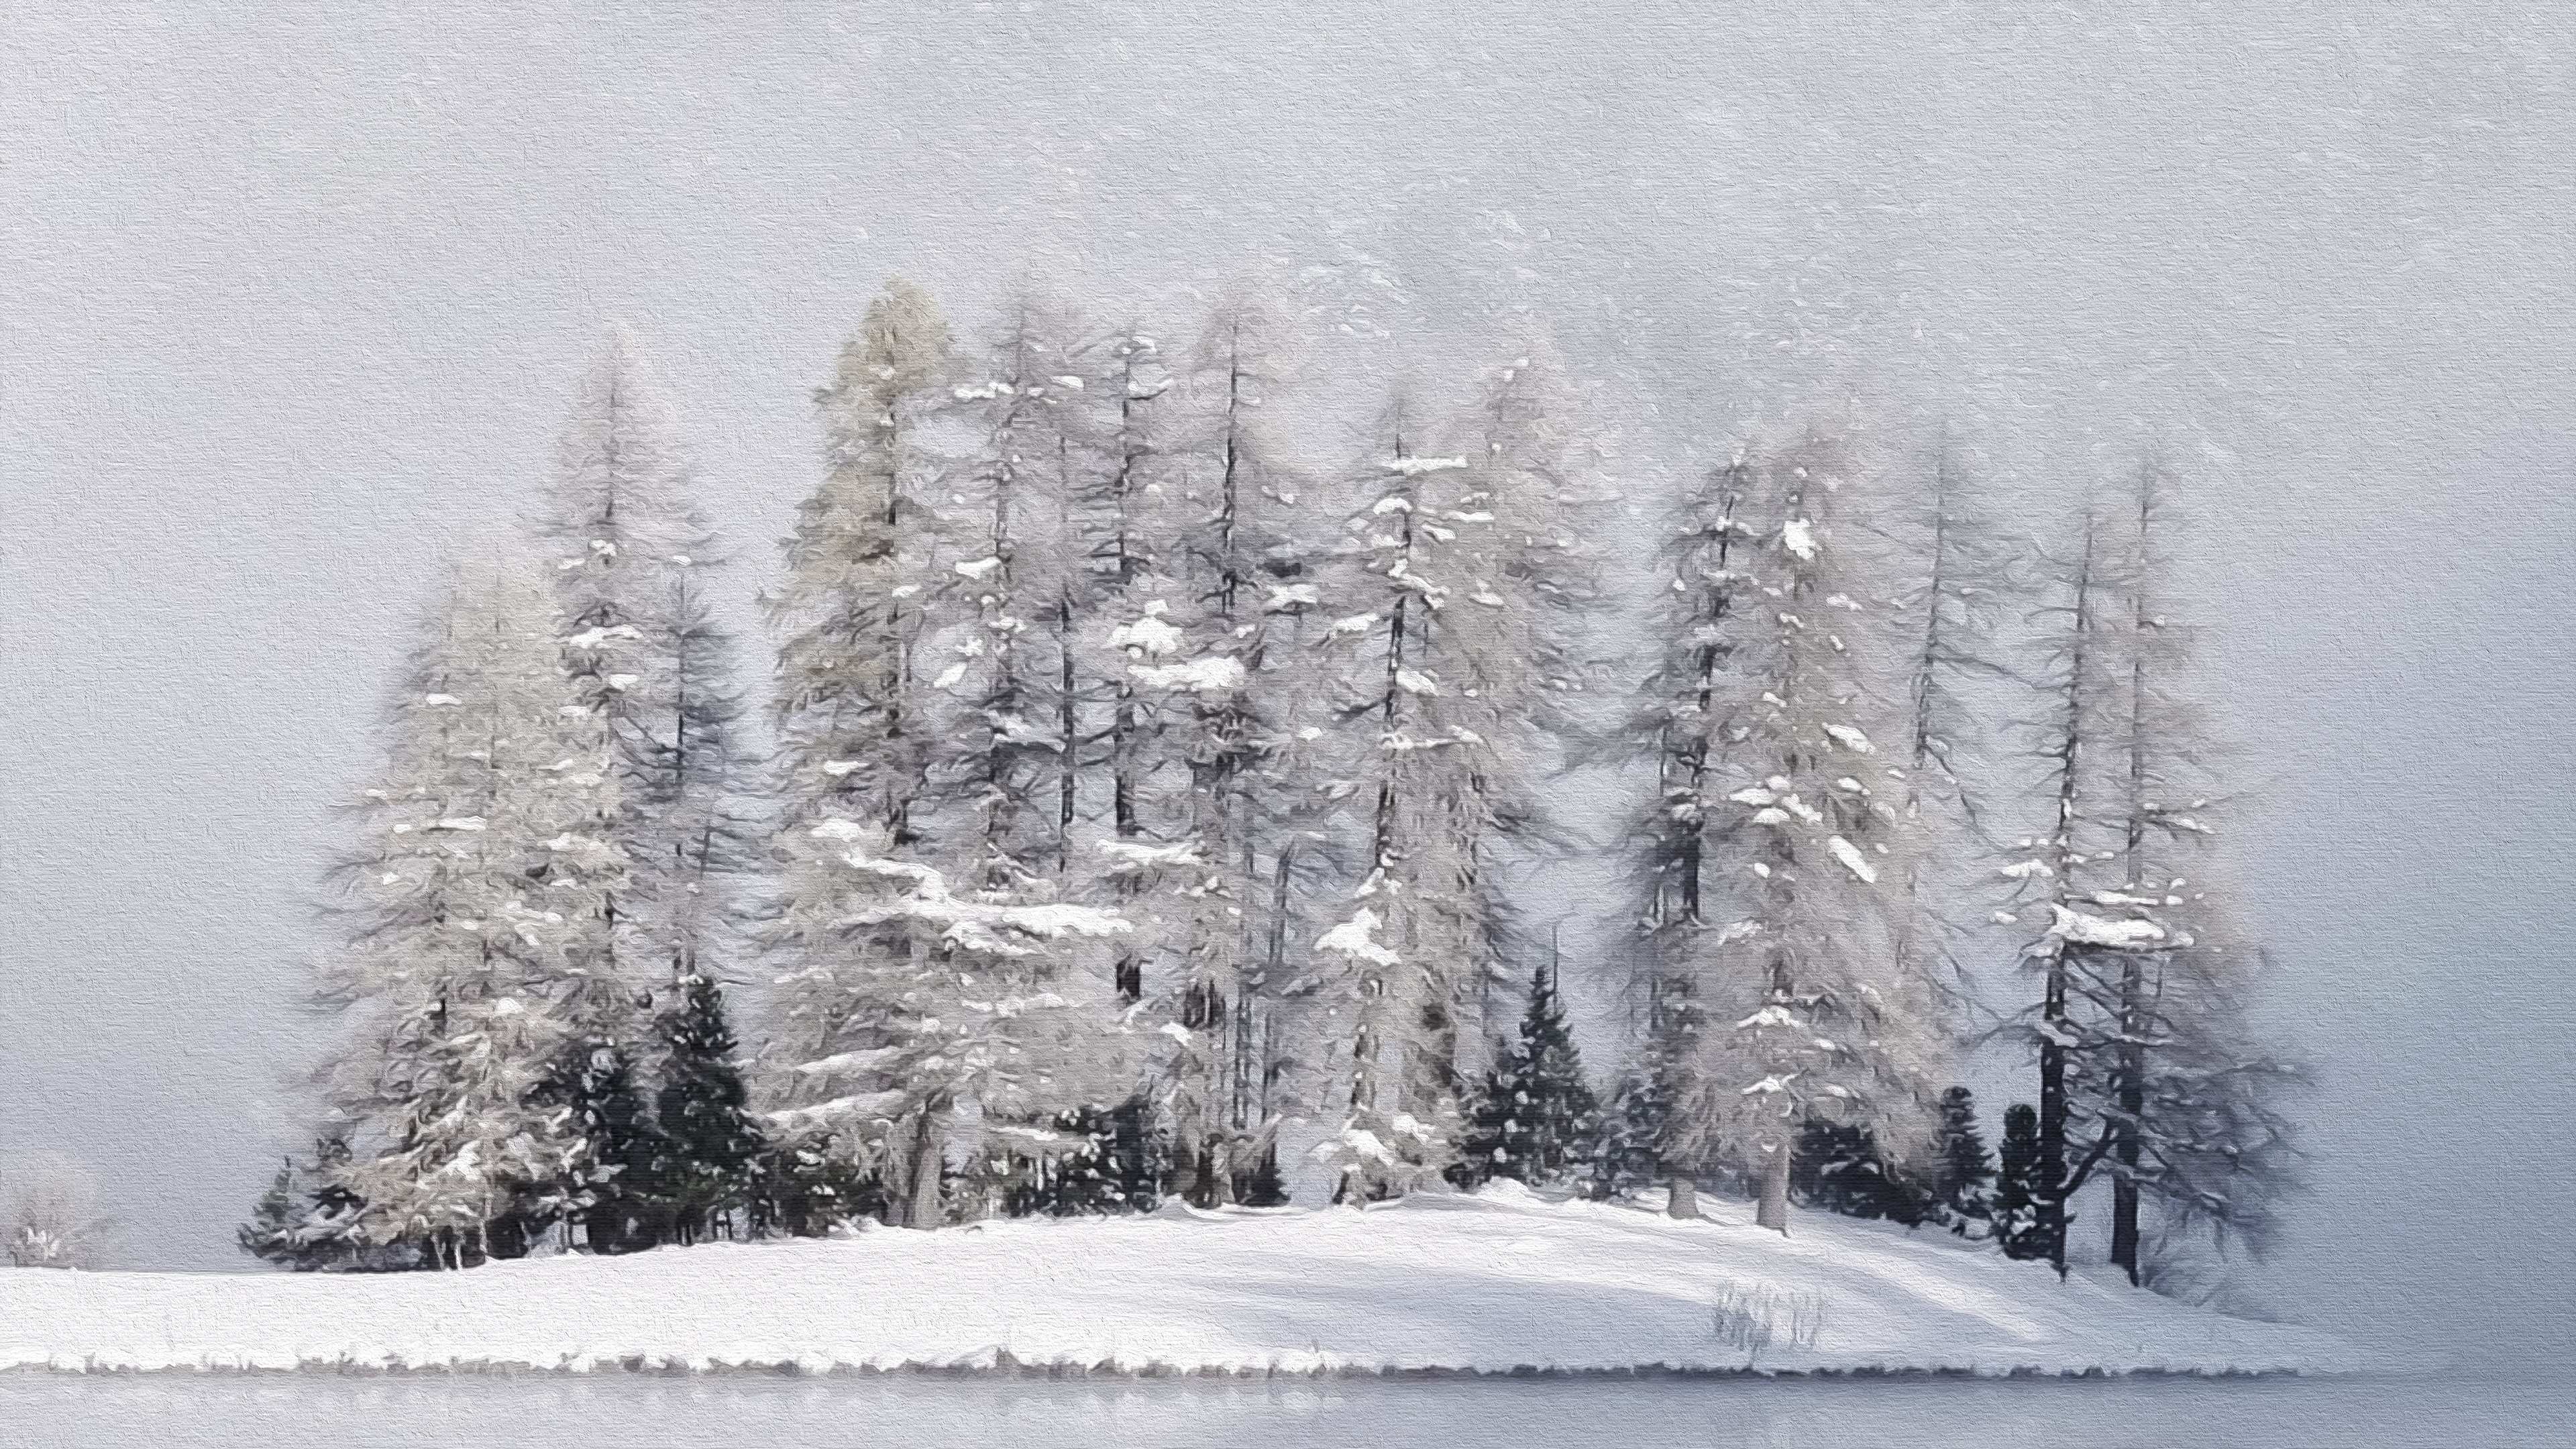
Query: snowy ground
1495, 1282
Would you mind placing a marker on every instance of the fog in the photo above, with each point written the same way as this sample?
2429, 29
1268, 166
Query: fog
296, 297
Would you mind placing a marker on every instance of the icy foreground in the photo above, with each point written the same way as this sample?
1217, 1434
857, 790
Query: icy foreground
1492, 1282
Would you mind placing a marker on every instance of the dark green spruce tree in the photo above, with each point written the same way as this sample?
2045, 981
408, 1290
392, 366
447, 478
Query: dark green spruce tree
2025, 1188
1534, 1115
629, 1204
1840, 1169
711, 1143
1967, 1169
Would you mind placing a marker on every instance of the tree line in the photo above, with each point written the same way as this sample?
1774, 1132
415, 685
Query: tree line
1142, 813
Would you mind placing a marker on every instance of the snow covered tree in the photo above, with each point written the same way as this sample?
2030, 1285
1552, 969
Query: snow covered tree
1404, 992
2142, 1024
1815, 1012
308, 1222
1685, 721
1457, 672
623, 1158
1839, 1168
995, 1019
646, 655
859, 575
479, 936
1535, 1113
1007, 733
1229, 677
855, 715
1627, 1149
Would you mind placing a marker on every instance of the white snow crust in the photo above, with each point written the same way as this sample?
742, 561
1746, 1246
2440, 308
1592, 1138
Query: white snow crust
1497, 1281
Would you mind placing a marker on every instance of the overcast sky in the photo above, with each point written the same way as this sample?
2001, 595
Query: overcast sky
293, 299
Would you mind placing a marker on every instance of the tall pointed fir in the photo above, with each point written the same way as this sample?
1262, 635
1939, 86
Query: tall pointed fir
1053, 469
1535, 1113
1229, 683
1815, 1014
2159, 1068
1451, 686
857, 732
1950, 598
479, 916
642, 647
1687, 719
2074, 714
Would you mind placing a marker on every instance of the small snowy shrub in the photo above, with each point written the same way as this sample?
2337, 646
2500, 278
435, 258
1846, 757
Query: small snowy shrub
52, 1218
1754, 1318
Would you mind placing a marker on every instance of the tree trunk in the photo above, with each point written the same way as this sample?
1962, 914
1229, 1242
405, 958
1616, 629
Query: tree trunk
2124, 1133
929, 1154
1773, 1211
1683, 1201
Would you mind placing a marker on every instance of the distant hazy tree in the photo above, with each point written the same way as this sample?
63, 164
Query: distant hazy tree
2142, 1025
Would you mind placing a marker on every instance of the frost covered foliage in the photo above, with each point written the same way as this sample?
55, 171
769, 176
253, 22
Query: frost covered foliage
1456, 563
1813, 1012
630, 560
859, 572
1147, 809
992, 1013
2144, 976
480, 932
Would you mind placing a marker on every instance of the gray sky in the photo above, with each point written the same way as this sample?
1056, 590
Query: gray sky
293, 298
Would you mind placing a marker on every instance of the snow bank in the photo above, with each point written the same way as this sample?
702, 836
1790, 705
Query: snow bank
1497, 1281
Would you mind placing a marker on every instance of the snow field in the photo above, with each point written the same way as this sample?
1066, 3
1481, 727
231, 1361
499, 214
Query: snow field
1494, 1282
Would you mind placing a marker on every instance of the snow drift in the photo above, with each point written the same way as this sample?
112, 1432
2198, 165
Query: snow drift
1498, 1281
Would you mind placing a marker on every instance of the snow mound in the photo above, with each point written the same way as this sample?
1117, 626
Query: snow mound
1497, 1281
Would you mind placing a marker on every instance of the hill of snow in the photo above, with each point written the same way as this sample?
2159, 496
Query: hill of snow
1497, 1281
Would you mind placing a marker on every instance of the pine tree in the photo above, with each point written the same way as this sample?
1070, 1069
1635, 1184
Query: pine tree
1839, 1168
1816, 1013
269, 1235
713, 1145
2142, 1034
1966, 1169
480, 921
1229, 683
1400, 1123
647, 658
2026, 1189
857, 729
1535, 1115
622, 1168
1685, 721
1460, 669
992, 1020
